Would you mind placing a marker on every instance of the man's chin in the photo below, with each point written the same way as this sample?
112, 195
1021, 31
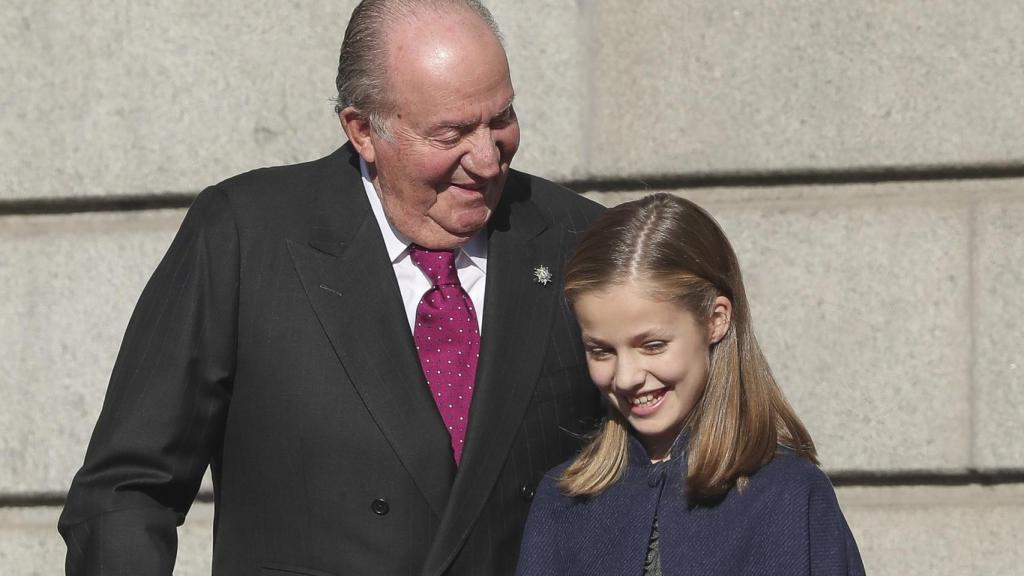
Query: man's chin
447, 236
470, 224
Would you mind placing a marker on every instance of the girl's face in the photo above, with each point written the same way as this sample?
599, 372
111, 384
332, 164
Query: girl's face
648, 357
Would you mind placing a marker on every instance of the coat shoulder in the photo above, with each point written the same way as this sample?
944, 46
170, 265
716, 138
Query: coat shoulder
790, 482
790, 469
549, 493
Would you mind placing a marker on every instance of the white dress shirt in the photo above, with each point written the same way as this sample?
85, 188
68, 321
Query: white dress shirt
470, 260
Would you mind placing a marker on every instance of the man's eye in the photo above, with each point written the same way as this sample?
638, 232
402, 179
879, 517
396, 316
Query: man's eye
503, 119
448, 139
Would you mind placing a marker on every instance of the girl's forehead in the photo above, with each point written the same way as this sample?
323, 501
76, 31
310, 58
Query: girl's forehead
626, 309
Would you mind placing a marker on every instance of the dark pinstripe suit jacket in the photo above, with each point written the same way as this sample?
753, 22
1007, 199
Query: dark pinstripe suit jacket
272, 344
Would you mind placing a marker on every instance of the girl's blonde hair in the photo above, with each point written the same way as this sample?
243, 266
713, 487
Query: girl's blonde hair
677, 249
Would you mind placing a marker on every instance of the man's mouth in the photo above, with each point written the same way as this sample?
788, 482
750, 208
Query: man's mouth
475, 186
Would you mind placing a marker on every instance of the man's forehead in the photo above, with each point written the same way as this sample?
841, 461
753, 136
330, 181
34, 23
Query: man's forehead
431, 31
451, 73
434, 31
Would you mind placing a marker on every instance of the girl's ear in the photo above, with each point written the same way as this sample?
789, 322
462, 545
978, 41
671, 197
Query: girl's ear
720, 320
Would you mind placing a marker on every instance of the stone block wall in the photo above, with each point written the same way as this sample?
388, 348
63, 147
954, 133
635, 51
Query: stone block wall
866, 158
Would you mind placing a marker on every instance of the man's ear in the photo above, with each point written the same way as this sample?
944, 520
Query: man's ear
359, 133
720, 320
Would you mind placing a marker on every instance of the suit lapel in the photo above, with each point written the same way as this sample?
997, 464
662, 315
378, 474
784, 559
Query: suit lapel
518, 314
347, 276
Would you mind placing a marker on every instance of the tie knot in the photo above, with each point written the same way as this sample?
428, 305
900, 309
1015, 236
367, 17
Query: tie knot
438, 265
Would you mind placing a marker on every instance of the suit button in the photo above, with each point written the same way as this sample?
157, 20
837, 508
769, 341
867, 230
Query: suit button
380, 507
528, 491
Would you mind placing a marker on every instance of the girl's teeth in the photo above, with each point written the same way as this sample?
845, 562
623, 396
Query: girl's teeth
643, 400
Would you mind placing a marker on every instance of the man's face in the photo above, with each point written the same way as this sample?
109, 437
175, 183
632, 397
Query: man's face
453, 130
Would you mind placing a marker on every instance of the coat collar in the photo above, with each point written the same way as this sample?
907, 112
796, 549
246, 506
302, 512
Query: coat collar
638, 453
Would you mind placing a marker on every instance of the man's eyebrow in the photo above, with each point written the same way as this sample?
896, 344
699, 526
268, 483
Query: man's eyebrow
506, 108
460, 126
471, 124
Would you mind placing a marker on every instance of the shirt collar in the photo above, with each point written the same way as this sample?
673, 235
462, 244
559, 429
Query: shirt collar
398, 244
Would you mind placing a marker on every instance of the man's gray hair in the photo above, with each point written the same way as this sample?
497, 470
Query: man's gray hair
362, 66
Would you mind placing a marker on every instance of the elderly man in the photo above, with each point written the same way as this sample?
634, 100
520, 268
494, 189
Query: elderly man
314, 335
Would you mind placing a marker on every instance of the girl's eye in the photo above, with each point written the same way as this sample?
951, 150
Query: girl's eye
654, 347
597, 353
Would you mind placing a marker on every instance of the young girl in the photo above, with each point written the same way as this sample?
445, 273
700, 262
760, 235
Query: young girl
701, 466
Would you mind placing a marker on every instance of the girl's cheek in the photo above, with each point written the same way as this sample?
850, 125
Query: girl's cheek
599, 376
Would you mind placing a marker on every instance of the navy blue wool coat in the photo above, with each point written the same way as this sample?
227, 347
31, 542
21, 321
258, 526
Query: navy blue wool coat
787, 521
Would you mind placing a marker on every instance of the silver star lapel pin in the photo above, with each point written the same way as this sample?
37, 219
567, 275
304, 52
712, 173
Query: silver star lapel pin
542, 275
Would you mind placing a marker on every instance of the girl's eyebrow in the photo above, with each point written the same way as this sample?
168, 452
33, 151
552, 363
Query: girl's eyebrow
648, 334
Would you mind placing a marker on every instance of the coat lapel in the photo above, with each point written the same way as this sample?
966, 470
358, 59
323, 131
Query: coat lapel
518, 314
347, 276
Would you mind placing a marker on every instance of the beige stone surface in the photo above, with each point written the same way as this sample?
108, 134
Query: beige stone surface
119, 97
954, 530
697, 87
862, 312
999, 331
116, 97
69, 285
550, 70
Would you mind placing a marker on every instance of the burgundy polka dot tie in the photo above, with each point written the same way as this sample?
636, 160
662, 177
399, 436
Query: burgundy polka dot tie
447, 341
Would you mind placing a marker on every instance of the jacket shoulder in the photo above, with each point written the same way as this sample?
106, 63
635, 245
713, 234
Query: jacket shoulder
289, 198
286, 180
559, 203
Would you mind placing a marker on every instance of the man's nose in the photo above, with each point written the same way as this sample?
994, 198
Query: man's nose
483, 159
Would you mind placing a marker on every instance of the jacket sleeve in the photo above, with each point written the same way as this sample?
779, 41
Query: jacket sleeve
832, 548
163, 413
539, 553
